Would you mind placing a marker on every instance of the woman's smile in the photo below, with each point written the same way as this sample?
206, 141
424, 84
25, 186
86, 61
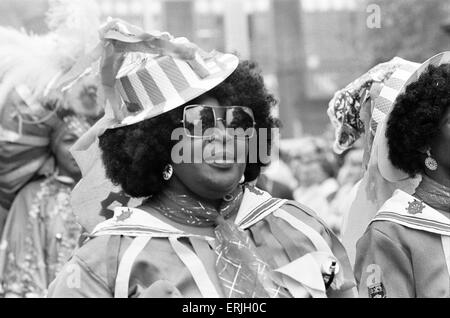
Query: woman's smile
221, 164
220, 158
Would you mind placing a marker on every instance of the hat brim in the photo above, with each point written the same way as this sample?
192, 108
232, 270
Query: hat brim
387, 169
201, 87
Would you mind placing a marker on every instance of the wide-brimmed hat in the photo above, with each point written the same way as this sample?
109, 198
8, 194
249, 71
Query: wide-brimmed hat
386, 102
151, 73
151, 85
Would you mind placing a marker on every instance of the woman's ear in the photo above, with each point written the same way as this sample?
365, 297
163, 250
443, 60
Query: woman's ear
424, 149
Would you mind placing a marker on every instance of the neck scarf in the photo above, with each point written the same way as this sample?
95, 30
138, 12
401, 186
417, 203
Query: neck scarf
434, 194
241, 271
184, 209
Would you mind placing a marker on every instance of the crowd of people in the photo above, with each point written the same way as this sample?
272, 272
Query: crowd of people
309, 172
91, 177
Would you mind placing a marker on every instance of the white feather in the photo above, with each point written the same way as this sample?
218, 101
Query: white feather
35, 60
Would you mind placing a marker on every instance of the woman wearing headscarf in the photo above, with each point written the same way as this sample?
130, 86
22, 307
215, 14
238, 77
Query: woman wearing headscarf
357, 112
405, 251
41, 230
39, 122
202, 229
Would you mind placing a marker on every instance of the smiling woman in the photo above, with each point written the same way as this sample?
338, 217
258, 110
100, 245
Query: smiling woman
203, 229
146, 147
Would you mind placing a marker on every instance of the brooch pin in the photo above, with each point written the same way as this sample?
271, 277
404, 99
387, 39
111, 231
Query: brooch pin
254, 190
124, 215
113, 200
415, 207
377, 290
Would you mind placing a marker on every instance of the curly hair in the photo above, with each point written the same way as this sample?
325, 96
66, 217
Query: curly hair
135, 156
414, 120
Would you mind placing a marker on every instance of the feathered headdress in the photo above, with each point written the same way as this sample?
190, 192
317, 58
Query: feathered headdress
38, 61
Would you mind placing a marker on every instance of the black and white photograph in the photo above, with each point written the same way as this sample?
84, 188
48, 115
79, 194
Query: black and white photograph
224, 149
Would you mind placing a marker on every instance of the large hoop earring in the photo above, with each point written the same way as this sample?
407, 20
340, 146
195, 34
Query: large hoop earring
167, 172
430, 162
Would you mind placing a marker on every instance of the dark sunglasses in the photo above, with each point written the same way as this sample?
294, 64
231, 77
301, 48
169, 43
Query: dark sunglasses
199, 121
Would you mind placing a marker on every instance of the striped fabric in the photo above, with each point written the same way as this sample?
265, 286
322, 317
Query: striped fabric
255, 215
396, 210
391, 89
152, 85
26, 133
24, 149
433, 226
397, 83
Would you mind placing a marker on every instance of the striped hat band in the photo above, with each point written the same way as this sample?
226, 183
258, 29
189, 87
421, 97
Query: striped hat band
397, 83
389, 92
150, 85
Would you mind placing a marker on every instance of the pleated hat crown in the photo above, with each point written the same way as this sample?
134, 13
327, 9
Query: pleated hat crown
150, 84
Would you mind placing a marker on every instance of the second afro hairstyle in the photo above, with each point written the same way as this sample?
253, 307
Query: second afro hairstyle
414, 120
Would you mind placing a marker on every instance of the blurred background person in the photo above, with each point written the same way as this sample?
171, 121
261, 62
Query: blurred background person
41, 116
41, 230
277, 178
274, 187
314, 167
348, 175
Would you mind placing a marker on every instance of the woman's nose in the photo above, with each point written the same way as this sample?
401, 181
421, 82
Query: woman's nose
220, 131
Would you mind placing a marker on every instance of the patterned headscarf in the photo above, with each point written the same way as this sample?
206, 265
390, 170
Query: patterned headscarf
27, 139
352, 110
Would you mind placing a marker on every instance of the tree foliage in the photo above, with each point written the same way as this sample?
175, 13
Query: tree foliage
411, 29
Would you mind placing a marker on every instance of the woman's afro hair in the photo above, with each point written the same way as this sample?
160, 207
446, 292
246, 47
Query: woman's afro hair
135, 156
414, 120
